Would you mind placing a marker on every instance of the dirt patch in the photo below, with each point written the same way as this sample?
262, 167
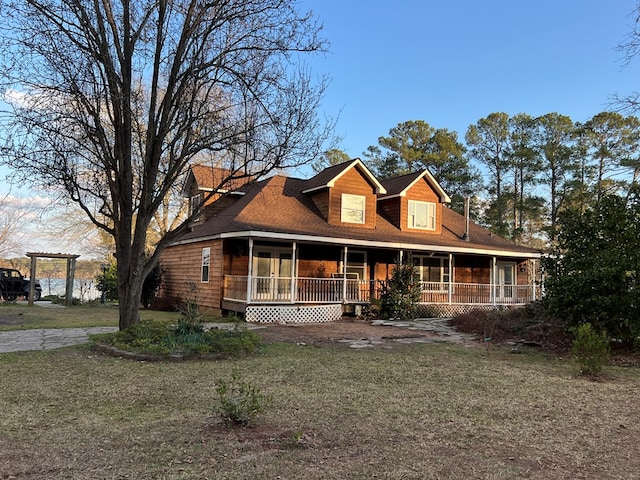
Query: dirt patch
323, 334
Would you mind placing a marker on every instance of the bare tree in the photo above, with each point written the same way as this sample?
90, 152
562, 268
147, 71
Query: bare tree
630, 49
113, 98
10, 218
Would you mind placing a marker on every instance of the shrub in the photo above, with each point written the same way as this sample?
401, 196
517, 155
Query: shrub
240, 401
529, 324
401, 293
153, 337
107, 282
151, 285
590, 349
594, 273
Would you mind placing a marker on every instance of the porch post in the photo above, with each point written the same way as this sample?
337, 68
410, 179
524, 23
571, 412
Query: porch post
32, 277
344, 275
450, 277
293, 272
494, 267
533, 279
250, 271
71, 271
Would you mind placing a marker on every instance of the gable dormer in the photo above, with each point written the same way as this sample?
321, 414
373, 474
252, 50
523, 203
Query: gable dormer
208, 184
345, 194
414, 202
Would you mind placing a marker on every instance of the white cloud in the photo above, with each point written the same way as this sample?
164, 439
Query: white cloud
26, 203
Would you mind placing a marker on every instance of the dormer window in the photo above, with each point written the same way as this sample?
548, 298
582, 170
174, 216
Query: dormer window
422, 215
352, 208
194, 203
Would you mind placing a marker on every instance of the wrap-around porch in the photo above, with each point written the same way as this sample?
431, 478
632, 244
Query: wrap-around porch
305, 274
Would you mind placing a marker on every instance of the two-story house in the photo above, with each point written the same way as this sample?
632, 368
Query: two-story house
293, 250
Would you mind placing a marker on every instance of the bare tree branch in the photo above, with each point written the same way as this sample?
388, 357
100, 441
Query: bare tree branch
112, 99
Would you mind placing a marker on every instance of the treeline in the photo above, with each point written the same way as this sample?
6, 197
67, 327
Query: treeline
535, 167
49, 268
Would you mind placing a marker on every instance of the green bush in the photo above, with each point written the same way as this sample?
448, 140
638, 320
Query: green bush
151, 285
240, 401
590, 349
153, 337
594, 273
107, 282
401, 293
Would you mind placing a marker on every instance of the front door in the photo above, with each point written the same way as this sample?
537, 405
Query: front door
505, 280
272, 269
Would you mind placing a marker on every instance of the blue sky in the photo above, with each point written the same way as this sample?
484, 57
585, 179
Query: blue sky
453, 62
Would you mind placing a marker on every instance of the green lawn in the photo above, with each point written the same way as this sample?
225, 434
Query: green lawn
405, 412
14, 316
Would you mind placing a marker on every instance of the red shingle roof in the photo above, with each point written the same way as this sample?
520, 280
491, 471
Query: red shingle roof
208, 178
278, 206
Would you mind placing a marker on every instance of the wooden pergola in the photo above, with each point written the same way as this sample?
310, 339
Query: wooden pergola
71, 269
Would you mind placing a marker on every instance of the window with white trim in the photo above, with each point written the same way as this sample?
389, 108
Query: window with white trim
352, 209
421, 215
206, 259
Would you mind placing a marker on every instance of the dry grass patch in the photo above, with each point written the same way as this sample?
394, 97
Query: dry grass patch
411, 412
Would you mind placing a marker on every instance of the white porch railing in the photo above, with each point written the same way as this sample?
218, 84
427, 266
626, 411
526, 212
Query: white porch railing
478, 293
281, 290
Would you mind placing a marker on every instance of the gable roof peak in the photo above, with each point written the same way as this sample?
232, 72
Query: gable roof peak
328, 177
398, 186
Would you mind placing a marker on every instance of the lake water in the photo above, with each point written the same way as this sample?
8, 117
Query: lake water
83, 288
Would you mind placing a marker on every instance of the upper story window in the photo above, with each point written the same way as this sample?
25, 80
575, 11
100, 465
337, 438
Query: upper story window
352, 208
194, 203
422, 215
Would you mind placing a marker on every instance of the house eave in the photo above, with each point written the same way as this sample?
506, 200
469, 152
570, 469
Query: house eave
361, 243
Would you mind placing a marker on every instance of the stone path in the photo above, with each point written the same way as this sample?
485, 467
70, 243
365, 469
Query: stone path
47, 338
52, 338
439, 326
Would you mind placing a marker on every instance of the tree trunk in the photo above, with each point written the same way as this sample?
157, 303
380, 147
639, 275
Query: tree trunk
129, 293
129, 308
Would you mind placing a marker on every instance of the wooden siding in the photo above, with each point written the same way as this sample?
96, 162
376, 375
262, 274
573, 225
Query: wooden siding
321, 201
354, 183
469, 269
235, 257
390, 207
181, 280
314, 262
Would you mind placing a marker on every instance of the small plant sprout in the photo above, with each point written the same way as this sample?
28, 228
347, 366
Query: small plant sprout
240, 401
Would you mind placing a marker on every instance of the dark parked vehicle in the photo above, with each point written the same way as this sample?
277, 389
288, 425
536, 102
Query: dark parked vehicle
14, 285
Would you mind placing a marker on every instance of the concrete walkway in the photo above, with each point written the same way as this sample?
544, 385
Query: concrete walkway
47, 338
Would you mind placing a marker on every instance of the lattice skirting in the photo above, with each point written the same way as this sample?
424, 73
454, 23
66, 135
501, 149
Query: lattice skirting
443, 310
293, 313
